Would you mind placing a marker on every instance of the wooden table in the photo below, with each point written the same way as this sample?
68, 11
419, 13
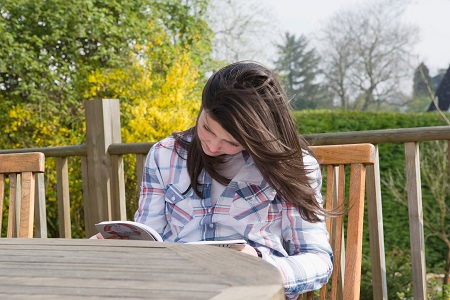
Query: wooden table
107, 269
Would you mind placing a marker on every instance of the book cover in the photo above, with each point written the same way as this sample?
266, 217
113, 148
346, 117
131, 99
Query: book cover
127, 230
137, 231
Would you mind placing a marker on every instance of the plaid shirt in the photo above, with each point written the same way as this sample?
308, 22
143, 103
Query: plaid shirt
247, 209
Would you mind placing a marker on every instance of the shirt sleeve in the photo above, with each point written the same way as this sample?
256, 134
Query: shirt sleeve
309, 263
151, 200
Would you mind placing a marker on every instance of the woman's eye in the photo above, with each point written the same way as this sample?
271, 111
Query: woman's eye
234, 145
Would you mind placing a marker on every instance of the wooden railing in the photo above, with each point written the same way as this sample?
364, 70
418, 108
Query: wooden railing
104, 185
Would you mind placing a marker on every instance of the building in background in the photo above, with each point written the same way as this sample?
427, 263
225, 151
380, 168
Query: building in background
442, 94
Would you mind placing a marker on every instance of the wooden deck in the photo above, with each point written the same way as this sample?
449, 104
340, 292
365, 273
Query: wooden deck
107, 269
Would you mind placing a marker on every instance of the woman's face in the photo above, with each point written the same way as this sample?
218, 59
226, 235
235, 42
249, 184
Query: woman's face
214, 139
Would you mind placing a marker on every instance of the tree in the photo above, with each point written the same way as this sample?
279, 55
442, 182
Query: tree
421, 82
50, 48
366, 53
151, 54
298, 68
240, 30
422, 90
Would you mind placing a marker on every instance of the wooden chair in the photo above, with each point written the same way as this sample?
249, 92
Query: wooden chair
21, 168
346, 278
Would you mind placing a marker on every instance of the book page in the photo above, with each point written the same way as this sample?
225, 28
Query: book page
232, 244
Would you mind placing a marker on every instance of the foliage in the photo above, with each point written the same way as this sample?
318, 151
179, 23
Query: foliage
298, 68
421, 81
49, 47
395, 215
153, 104
398, 275
435, 192
419, 104
152, 54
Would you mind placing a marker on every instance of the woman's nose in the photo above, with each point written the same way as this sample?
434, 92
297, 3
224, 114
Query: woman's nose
214, 145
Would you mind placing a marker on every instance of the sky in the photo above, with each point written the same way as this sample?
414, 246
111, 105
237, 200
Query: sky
431, 16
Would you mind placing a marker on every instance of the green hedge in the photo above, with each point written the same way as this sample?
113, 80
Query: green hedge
395, 216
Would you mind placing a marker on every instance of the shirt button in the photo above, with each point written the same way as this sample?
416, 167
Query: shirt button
211, 225
173, 198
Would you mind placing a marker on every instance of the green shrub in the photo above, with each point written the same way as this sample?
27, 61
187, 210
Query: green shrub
395, 215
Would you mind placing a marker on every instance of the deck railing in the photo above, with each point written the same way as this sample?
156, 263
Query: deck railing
104, 185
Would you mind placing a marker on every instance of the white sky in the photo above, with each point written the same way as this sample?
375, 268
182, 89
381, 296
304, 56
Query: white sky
431, 16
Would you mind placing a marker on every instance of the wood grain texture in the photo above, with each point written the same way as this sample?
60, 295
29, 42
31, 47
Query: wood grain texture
346, 277
21, 162
414, 191
62, 188
106, 269
21, 170
27, 205
376, 232
344, 154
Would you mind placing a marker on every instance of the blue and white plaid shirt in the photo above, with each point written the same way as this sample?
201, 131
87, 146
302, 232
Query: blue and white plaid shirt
247, 209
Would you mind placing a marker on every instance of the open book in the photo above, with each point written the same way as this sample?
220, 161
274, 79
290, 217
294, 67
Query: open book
138, 231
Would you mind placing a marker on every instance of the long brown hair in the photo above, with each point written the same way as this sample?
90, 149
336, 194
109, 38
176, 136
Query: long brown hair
247, 100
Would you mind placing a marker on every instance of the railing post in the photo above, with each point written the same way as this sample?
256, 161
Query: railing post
102, 130
62, 188
413, 185
376, 233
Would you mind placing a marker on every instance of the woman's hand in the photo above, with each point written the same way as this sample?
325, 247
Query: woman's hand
250, 250
97, 236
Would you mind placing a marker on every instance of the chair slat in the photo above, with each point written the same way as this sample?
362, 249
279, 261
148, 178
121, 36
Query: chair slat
346, 242
2, 199
22, 162
27, 205
344, 154
22, 169
12, 205
337, 232
354, 235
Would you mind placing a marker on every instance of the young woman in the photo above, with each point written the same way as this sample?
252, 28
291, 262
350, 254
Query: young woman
242, 172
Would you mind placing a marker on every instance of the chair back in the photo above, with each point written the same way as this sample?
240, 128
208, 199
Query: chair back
334, 160
21, 170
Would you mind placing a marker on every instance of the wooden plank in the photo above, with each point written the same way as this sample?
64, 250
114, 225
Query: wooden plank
344, 154
102, 130
27, 205
84, 179
62, 188
413, 186
140, 163
11, 231
331, 200
376, 233
401, 135
40, 215
59, 151
262, 292
353, 255
52, 268
118, 205
338, 203
21, 162
2, 199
